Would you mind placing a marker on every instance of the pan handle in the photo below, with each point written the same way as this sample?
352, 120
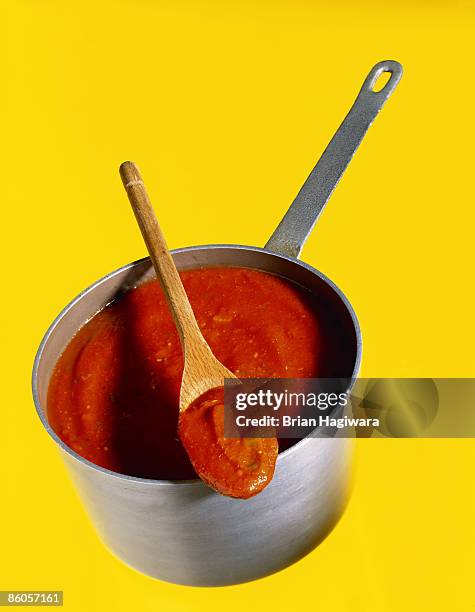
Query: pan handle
292, 232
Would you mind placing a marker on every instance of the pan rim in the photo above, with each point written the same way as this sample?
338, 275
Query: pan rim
64, 311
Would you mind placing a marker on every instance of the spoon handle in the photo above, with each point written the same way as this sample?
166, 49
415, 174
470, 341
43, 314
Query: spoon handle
159, 254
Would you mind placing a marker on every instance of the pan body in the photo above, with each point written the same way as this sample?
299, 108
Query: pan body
182, 531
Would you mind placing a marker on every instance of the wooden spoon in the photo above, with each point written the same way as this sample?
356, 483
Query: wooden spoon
241, 467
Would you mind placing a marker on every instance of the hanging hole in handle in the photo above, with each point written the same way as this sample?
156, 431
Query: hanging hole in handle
381, 80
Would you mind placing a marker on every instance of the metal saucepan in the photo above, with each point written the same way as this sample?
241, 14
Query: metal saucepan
182, 531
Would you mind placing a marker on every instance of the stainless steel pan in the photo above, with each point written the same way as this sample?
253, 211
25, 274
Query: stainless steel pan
182, 531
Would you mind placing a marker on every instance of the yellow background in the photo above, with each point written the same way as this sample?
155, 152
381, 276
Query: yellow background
226, 106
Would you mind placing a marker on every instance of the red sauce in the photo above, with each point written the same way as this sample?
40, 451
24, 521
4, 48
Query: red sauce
235, 467
113, 396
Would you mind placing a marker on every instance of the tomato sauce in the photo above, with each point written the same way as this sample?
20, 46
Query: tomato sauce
114, 393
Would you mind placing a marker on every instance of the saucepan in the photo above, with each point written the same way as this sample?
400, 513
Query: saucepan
182, 531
